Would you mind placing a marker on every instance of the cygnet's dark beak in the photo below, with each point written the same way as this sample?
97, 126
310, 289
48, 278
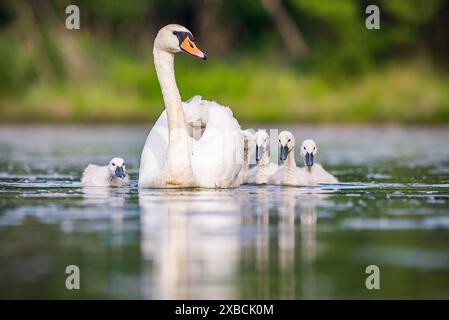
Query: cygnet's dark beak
309, 159
283, 153
258, 153
120, 172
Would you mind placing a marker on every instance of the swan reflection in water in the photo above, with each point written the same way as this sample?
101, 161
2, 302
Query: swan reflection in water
215, 244
190, 243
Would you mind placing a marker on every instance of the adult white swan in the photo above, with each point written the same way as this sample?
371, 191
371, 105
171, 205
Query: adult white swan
193, 144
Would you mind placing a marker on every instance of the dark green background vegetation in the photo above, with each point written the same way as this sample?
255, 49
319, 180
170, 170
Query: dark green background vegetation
269, 60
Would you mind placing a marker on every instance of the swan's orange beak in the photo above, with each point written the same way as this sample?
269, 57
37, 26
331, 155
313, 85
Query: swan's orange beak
189, 46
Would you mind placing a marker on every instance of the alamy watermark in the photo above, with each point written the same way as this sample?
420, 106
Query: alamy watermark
373, 280
373, 20
72, 22
72, 282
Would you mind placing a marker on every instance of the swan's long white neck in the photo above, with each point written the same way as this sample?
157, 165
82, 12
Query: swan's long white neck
178, 153
165, 70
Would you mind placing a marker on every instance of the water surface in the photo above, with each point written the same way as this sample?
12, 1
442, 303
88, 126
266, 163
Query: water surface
391, 210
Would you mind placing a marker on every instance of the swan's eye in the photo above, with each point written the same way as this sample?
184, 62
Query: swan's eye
113, 164
175, 33
304, 148
288, 140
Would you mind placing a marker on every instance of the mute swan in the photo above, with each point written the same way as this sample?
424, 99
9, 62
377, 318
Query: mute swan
247, 151
173, 156
288, 173
112, 175
315, 172
264, 168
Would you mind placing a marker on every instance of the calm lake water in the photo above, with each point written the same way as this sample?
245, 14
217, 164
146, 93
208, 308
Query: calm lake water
391, 210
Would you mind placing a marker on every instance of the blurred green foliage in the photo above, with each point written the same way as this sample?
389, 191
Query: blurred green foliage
104, 71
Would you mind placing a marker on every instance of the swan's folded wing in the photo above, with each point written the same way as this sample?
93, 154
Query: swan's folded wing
193, 110
195, 100
215, 105
154, 151
218, 155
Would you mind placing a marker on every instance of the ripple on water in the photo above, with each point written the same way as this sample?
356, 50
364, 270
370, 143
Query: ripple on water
382, 223
405, 257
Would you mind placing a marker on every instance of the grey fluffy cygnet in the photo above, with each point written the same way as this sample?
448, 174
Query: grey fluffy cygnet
289, 174
260, 173
314, 172
112, 175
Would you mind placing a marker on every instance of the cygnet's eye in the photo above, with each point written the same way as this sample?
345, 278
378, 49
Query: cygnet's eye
304, 148
113, 164
288, 140
314, 148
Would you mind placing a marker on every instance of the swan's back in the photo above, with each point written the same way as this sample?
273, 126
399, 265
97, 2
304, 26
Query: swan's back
216, 156
155, 149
